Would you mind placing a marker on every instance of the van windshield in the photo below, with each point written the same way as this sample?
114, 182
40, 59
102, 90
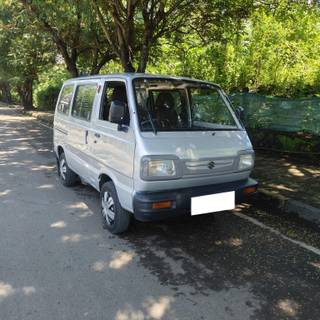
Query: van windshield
175, 105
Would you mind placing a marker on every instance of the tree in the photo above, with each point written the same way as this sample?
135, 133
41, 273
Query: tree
132, 27
73, 30
5, 91
25, 50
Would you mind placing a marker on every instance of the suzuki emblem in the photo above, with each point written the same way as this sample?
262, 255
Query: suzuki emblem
211, 165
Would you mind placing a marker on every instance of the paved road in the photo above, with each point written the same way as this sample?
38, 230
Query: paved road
56, 261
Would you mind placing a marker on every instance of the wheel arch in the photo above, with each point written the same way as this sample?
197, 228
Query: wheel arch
123, 194
103, 178
59, 150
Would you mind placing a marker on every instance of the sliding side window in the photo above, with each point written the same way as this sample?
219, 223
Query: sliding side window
83, 102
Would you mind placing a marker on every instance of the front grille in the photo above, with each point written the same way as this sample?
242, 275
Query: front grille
209, 166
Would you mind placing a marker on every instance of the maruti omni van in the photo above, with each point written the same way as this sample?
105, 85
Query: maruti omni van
154, 146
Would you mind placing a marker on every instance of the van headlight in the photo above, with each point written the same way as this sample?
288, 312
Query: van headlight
161, 168
246, 161
158, 169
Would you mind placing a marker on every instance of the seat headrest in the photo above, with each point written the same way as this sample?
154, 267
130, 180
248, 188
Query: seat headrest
165, 101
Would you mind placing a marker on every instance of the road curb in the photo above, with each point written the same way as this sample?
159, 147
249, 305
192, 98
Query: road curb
46, 118
291, 206
285, 204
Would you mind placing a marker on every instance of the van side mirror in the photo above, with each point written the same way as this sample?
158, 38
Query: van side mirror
117, 112
240, 113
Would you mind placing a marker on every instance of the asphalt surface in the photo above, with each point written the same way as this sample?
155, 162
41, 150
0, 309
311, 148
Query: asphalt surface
57, 262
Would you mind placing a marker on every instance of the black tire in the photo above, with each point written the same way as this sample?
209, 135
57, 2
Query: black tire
67, 176
121, 219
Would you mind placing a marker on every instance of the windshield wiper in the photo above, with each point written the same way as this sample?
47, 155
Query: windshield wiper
200, 128
145, 107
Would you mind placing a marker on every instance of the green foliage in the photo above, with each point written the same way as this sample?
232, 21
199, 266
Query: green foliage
48, 87
265, 46
297, 144
47, 98
24, 51
272, 50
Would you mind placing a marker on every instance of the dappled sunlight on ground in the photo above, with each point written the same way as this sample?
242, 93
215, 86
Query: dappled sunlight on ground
46, 186
214, 263
80, 209
315, 172
280, 187
42, 168
7, 290
295, 172
77, 237
5, 192
315, 264
77, 206
100, 266
288, 177
28, 290
232, 242
121, 259
157, 308
59, 224
242, 206
289, 307
128, 313
152, 308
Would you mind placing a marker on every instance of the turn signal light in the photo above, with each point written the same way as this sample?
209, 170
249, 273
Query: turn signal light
249, 190
162, 205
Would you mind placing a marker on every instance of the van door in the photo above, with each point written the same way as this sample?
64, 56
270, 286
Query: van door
112, 148
61, 118
80, 123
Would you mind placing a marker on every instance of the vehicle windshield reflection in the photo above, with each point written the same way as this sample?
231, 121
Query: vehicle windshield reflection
171, 105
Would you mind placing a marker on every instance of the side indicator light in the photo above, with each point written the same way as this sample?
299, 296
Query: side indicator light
249, 190
162, 205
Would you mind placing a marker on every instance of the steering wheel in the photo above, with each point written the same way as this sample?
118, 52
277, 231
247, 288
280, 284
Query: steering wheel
148, 123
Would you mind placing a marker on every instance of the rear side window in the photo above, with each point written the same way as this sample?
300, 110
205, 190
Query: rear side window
83, 102
65, 99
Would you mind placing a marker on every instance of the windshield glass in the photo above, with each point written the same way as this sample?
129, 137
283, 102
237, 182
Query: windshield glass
174, 105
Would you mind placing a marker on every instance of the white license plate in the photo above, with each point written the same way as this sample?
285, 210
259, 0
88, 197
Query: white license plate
213, 203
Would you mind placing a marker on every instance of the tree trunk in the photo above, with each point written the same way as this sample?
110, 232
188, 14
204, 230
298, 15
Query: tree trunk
125, 57
98, 64
73, 70
143, 58
69, 59
127, 65
5, 92
25, 92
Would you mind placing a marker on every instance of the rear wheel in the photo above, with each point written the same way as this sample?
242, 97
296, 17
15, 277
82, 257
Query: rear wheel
67, 176
115, 218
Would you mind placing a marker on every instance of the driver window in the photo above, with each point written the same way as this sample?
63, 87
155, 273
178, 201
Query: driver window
113, 90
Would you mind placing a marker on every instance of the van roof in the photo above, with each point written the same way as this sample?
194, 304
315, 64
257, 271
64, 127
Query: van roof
134, 75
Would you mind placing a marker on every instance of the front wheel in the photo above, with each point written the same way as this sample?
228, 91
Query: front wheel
115, 218
67, 176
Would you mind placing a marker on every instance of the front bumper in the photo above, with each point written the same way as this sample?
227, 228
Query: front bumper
181, 199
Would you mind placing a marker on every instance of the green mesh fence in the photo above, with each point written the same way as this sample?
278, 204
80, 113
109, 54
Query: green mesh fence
281, 114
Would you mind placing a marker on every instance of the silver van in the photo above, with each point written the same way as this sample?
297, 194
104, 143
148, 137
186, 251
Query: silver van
155, 147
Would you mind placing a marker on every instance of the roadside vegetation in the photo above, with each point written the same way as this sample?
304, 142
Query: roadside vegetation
271, 46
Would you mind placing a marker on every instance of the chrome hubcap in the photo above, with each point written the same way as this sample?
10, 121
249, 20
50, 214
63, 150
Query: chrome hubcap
108, 208
63, 169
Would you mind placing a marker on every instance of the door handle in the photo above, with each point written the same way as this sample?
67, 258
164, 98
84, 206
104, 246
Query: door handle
86, 137
97, 135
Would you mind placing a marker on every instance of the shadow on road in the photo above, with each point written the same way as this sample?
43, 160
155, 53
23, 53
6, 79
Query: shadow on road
220, 257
